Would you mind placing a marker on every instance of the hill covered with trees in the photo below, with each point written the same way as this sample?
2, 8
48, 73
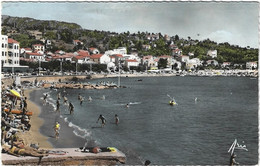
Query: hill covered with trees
62, 34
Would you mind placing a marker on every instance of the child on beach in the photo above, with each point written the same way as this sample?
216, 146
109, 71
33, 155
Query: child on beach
57, 130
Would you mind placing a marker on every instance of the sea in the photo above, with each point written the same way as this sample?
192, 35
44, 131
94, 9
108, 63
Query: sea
211, 113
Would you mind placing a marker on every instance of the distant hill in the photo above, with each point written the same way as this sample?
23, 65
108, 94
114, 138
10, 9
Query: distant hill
33, 24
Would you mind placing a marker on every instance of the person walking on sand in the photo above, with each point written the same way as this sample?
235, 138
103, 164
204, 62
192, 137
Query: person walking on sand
103, 120
71, 108
116, 119
57, 130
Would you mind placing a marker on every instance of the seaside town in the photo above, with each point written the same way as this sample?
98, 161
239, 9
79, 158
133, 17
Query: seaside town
44, 58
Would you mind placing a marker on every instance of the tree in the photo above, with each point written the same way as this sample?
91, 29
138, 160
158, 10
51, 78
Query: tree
176, 38
162, 63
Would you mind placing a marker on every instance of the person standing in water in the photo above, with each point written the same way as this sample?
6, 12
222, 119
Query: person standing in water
65, 100
116, 119
79, 96
81, 100
58, 105
103, 120
71, 108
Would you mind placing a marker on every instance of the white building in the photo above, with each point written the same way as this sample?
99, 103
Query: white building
251, 65
35, 56
100, 58
38, 47
212, 53
4, 48
13, 55
131, 62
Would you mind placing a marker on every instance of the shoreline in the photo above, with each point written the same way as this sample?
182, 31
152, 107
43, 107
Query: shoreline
34, 135
67, 138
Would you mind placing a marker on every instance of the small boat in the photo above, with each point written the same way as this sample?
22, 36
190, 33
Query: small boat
172, 103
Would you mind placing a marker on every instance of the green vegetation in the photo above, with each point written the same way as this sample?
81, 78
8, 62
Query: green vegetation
63, 33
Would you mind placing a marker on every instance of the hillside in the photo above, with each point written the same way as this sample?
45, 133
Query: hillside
62, 35
33, 24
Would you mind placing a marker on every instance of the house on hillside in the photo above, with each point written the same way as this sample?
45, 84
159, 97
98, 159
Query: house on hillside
212, 62
131, 63
60, 52
193, 63
184, 58
212, 53
148, 61
77, 42
176, 52
38, 47
116, 58
251, 65
82, 53
93, 50
24, 50
100, 58
36, 57
225, 64
81, 59
68, 57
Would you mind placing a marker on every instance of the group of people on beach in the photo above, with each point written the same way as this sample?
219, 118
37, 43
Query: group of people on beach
15, 119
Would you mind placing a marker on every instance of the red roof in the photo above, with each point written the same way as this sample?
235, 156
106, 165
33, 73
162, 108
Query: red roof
119, 55
10, 40
27, 49
92, 48
96, 56
34, 53
80, 57
131, 60
148, 57
83, 53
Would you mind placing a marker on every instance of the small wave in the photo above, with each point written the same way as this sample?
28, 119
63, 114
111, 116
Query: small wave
135, 102
83, 133
132, 103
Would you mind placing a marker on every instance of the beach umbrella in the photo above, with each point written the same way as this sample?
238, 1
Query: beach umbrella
15, 93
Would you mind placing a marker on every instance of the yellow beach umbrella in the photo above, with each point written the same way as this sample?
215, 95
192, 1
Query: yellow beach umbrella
15, 93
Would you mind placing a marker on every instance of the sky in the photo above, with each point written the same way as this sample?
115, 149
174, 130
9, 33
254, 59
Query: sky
233, 22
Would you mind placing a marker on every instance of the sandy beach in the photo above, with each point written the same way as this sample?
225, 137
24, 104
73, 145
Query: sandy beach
42, 123
34, 135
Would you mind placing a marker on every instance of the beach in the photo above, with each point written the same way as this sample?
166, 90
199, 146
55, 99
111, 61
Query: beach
34, 135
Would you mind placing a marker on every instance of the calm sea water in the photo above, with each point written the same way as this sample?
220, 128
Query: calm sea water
192, 132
